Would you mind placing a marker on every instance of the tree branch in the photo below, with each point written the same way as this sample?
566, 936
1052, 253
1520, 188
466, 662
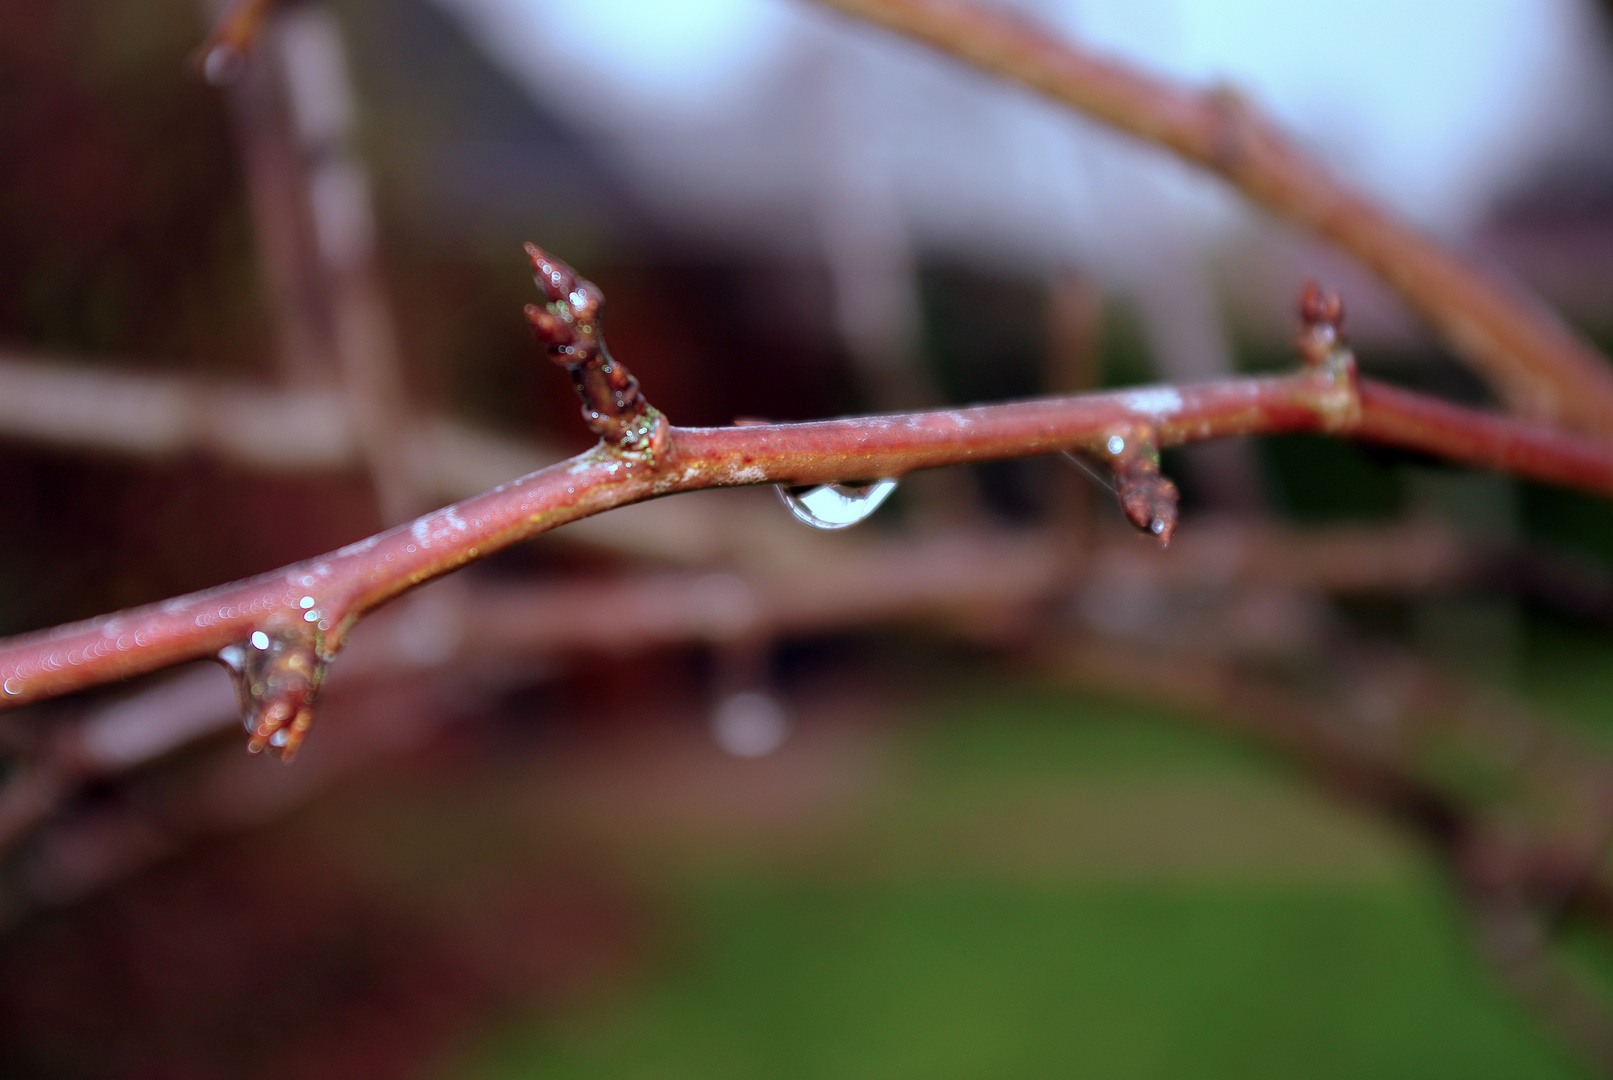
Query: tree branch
1536, 363
278, 631
963, 581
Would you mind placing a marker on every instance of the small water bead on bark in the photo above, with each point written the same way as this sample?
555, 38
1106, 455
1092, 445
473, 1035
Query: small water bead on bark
836, 506
277, 676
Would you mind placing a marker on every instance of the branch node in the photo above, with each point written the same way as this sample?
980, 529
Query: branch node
568, 326
1321, 345
1148, 497
277, 675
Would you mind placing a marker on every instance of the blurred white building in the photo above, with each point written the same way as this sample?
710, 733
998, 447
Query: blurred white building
786, 128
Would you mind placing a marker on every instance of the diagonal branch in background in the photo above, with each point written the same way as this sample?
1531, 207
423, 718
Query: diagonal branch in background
278, 631
1521, 348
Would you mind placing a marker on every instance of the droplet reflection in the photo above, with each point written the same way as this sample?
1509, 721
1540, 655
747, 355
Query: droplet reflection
277, 676
750, 724
836, 506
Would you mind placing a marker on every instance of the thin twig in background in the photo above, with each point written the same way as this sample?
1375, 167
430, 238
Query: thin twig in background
295, 115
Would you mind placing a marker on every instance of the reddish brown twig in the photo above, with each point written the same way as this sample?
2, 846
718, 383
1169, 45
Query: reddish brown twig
302, 613
1538, 365
970, 582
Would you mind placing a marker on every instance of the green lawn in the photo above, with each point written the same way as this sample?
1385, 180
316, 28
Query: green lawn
1049, 887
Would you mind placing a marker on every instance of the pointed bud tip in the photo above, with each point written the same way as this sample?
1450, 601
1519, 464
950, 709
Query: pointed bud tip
1151, 503
554, 277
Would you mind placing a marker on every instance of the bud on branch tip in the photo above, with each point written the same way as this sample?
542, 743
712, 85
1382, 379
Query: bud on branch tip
568, 327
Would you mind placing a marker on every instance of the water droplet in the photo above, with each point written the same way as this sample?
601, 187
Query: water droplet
750, 724
1116, 444
13, 686
276, 682
836, 506
306, 602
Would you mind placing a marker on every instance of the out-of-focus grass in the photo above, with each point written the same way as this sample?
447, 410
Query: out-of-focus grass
943, 980
1048, 887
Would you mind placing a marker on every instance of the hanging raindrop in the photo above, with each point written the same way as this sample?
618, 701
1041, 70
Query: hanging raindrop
835, 506
277, 677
